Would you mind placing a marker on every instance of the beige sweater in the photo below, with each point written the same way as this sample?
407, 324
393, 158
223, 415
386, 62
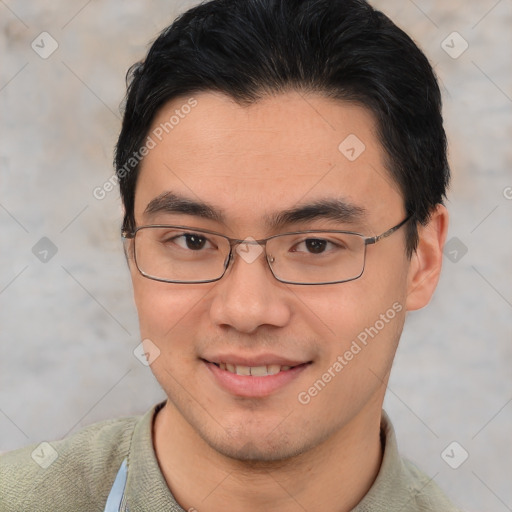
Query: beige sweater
77, 473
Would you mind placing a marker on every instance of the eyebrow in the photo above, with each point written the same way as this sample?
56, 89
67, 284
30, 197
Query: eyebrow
336, 209
169, 202
329, 208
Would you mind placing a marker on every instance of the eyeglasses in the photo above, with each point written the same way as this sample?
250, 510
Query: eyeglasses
181, 254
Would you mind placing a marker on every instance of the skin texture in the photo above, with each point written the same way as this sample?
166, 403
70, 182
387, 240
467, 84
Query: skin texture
275, 453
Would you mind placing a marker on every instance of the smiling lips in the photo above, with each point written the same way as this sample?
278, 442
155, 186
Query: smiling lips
256, 380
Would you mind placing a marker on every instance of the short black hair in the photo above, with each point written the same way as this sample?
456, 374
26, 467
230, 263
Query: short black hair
342, 49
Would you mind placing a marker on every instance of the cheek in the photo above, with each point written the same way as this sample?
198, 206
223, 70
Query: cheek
362, 330
168, 316
361, 323
163, 308
343, 311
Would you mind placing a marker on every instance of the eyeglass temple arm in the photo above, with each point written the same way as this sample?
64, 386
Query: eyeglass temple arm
375, 239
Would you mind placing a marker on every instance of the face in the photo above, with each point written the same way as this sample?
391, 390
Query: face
331, 345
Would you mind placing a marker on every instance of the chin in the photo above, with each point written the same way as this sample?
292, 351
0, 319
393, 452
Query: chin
262, 447
256, 453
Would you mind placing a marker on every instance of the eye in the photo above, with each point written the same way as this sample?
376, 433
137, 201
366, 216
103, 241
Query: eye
192, 241
314, 246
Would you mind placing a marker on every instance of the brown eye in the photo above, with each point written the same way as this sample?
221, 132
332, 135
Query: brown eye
315, 245
194, 241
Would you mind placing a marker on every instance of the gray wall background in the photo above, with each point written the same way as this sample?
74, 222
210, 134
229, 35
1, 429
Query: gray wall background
68, 324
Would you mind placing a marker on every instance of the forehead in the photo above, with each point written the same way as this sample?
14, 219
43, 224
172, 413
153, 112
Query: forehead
252, 161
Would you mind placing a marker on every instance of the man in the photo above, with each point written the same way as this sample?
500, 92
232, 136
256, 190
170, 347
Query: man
282, 166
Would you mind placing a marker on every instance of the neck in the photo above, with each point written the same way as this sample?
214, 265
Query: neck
334, 475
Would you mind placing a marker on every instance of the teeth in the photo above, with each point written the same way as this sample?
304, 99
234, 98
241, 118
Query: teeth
272, 369
255, 371
243, 370
259, 371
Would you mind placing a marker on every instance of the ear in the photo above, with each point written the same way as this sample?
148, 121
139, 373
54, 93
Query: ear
426, 261
128, 249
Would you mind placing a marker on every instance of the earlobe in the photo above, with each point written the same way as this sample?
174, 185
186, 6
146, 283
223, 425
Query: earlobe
426, 262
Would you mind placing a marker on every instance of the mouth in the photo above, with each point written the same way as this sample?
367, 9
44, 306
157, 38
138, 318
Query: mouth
256, 380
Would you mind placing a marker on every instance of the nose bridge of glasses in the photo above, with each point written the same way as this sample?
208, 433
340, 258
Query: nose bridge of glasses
248, 249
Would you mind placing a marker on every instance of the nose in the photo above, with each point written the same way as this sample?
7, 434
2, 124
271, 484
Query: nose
248, 296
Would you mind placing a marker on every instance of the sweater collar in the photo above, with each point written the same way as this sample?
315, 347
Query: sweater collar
146, 488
